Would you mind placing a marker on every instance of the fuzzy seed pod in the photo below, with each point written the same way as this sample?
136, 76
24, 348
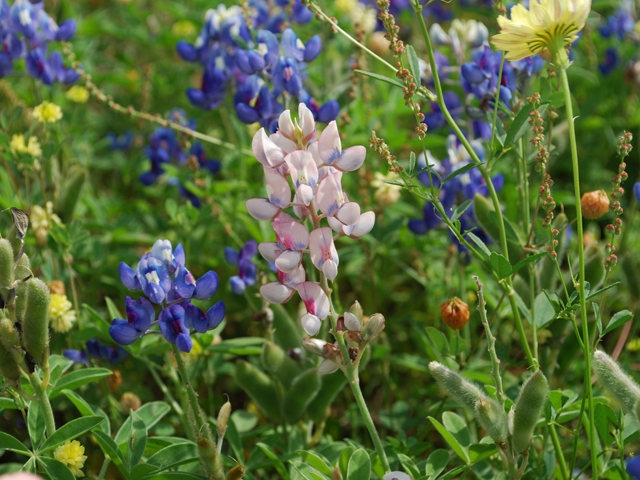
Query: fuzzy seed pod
23, 270
236, 473
491, 417
9, 338
373, 327
616, 381
35, 325
6, 264
455, 313
129, 401
8, 366
206, 449
461, 389
223, 418
528, 408
594, 204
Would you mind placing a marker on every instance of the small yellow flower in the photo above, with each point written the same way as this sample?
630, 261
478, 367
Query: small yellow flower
359, 13
18, 146
61, 313
78, 94
385, 193
71, 454
33, 147
41, 219
47, 112
547, 25
183, 28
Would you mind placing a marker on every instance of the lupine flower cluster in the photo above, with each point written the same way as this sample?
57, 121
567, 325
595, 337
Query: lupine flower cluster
244, 261
179, 318
95, 349
315, 165
25, 32
241, 52
165, 147
462, 187
619, 26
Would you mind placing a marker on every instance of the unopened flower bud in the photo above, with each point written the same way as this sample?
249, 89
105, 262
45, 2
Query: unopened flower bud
35, 325
351, 322
6, 264
223, 418
129, 401
528, 408
356, 309
616, 381
314, 345
236, 473
461, 389
594, 204
114, 381
455, 313
491, 417
397, 476
327, 367
373, 327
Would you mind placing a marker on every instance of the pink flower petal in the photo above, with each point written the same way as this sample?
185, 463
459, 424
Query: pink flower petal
311, 324
276, 292
322, 248
304, 194
284, 217
269, 251
330, 269
265, 151
301, 212
285, 125
307, 123
335, 224
314, 298
303, 168
329, 197
288, 261
329, 145
292, 279
278, 189
351, 159
349, 213
291, 235
262, 209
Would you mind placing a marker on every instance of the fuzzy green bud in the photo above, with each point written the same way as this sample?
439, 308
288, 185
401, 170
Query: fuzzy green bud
491, 417
616, 381
373, 327
461, 389
223, 419
23, 270
528, 408
356, 309
236, 473
35, 325
10, 339
206, 449
6, 264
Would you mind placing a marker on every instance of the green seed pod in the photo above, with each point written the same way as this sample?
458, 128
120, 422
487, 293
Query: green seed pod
330, 386
6, 264
528, 408
70, 194
484, 211
260, 389
491, 417
616, 381
35, 325
236, 473
206, 449
276, 361
302, 390
548, 269
23, 270
461, 389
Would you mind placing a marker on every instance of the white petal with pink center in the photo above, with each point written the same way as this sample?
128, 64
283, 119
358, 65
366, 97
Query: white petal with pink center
329, 196
293, 278
278, 189
265, 151
327, 366
311, 324
291, 235
314, 298
323, 251
283, 142
303, 168
307, 123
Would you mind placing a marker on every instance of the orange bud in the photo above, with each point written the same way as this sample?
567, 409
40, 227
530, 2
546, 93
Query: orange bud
594, 204
114, 381
455, 313
56, 286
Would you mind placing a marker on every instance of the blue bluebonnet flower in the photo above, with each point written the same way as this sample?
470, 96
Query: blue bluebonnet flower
244, 260
164, 147
610, 61
529, 65
120, 142
636, 191
178, 316
620, 24
480, 76
254, 102
633, 467
456, 190
25, 31
95, 349
325, 113
435, 119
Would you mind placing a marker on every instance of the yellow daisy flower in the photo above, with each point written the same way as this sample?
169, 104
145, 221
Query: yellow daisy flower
547, 25
47, 112
71, 453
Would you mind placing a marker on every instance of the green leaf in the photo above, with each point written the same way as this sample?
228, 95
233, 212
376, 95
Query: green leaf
481, 451
142, 470
55, 469
603, 415
113, 310
475, 239
87, 410
450, 439
7, 442
382, 78
519, 126
414, 64
500, 265
436, 463
174, 455
460, 171
110, 448
36, 424
596, 312
457, 427
461, 209
175, 476
409, 465
343, 461
7, 403
69, 431
268, 451
527, 261
438, 339
137, 439
77, 378
150, 413
307, 472
317, 461
359, 465
544, 311
617, 320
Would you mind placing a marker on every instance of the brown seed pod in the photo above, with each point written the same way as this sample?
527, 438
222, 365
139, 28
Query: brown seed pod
455, 313
594, 204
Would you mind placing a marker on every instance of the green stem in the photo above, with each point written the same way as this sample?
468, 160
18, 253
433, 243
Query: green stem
487, 178
564, 472
43, 401
581, 285
74, 292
